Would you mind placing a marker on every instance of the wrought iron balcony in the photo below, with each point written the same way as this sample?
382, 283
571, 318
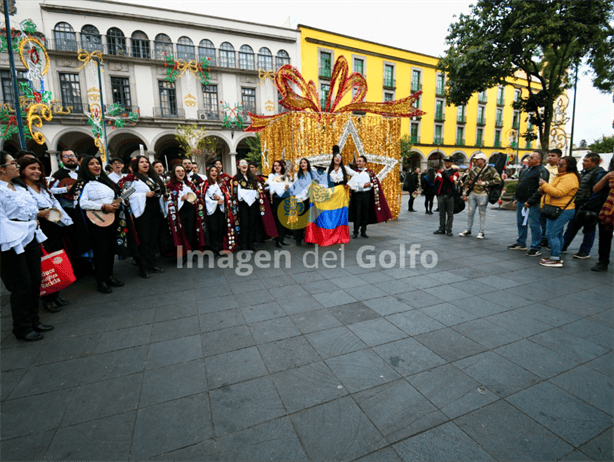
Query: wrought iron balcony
325, 72
461, 119
438, 140
170, 112
416, 86
460, 141
481, 121
415, 139
390, 84
207, 114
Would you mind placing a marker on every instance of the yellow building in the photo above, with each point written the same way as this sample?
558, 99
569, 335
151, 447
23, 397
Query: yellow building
488, 123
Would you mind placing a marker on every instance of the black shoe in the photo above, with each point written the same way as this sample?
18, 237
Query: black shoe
51, 307
285, 243
115, 282
43, 328
449, 233
31, 337
60, 301
355, 234
144, 274
439, 231
156, 269
364, 235
599, 267
104, 288
412, 210
278, 244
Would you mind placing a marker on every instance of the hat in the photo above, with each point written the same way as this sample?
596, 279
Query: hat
448, 159
480, 155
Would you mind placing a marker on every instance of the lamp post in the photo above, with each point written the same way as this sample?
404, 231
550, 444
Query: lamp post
573, 113
9, 41
102, 108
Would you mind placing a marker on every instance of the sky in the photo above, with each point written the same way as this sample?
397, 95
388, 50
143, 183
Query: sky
415, 25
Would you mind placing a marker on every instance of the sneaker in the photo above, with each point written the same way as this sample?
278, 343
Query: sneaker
465, 233
582, 255
552, 263
480, 236
563, 251
534, 253
516, 247
599, 267
548, 259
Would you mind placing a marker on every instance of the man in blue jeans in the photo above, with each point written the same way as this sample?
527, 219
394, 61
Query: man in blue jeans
526, 201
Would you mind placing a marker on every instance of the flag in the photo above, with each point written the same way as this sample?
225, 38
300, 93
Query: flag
328, 219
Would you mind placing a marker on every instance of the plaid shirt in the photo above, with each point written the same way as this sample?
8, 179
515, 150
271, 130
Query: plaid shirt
489, 177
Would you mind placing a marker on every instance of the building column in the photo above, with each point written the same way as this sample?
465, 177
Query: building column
151, 155
53, 159
233, 164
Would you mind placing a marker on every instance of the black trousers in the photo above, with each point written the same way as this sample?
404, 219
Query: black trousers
281, 230
21, 275
147, 229
361, 210
428, 202
446, 211
216, 230
103, 243
187, 214
605, 243
410, 203
299, 234
248, 219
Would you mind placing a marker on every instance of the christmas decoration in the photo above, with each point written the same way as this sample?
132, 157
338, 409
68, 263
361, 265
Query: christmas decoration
176, 68
233, 115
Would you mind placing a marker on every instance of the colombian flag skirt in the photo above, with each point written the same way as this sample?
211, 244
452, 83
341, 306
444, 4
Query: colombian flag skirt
328, 216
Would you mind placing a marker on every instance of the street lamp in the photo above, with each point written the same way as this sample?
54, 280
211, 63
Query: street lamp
104, 123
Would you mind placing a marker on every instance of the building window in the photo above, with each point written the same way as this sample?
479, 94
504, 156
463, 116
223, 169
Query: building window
440, 90
7, 86
210, 102
227, 55
414, 130
497, 138
501, 96
517, 95
140, 45
516, 121
280, 108
65, 37
163, 46
417, 103
438, 138
186, 49
460, 136
120, 87
91, 39
324, 90
359, 66
71, 92
265, 59
481, 118
282, 58
116, 42
168, 99
479, 137
248, 98
207, 50
388, 96
389, 81
499, 120
416, 77
325, 64
439, 115
247, 60
482, 96
461, 118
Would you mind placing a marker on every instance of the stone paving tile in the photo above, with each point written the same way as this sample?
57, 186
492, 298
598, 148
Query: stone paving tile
300, 305
172, 382
259, 313
205, 451
595, 332
448, 314
335, 342
506, 433
603, 364
383, 455
337, 430
225, 340
211, 305
335, 298
49, 377
64, 349
354, 312
124, 338
535, 358
449, 344
574, 306
395, 286
414, 322
186, 421
125, 320
114, 364
361, 370
288, 353
420, 299
486, 333
408, 356
589, 386
600, 447
366, 292
518, 323
233, 367
220, 320
31, 447
547, 314
10, 381
307, 386
273, 330
377, 331
313, 321
169, 312
445, 443
387, 305
175, 328
562, 413
174, 351
569, 345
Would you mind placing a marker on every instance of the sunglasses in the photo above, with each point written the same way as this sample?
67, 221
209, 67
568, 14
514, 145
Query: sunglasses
10, 163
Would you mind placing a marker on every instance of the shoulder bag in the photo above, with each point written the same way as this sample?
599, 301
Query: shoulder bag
552, 212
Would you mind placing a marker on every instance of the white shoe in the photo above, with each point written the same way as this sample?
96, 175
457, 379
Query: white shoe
465, 233
480, 235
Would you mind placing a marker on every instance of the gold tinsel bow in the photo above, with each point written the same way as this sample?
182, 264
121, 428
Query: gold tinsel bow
264, 74
309, 98
85, 57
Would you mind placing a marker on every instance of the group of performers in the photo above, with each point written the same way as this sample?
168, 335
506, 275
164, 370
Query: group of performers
150, 211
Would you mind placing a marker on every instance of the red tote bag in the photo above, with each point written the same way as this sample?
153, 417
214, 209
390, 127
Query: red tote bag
56, 272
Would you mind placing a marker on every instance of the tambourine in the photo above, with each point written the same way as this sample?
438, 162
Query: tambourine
55, 215
191, 197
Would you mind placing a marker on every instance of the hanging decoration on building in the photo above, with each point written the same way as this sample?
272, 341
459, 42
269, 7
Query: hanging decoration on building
263, 75
312, 126
269, 105
197, 143
84, 56
189, 100
233, 115
558, 135
36, 102
176, 68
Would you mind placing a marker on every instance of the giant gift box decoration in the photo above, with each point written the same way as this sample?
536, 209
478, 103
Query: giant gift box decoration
310, 130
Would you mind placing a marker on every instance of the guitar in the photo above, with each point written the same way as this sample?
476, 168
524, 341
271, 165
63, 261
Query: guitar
67, 182
104, 219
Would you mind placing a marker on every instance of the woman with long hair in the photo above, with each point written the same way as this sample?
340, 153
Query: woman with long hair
220, 219
20, 251
31, 172
146, 208
300, 190
560, 193
248, 197
427, 182
99, 193
278, 183
181, 209
338, 173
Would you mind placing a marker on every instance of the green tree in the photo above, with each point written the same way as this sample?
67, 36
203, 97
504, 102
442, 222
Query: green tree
406, 147
255, 150
542, 40
605, 144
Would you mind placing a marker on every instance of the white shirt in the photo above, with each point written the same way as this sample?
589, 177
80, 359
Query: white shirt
337, 176
17, 205
138, 200
114, 177
46, 201
276, 187
63, 190
210, 202
358, 181
94, 195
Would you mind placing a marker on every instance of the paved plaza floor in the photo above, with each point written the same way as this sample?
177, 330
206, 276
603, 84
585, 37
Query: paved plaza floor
484, 356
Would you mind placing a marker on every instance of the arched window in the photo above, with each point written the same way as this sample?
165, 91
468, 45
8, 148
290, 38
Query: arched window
207, 50
163, 46
90, 38
265, 59
246, 58
282, 58
116, 42
185, 49
227, 55
140, 45
65, 37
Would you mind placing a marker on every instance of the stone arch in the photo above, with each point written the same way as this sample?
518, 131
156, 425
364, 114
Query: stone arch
167, 147
78, 141
223, 152
460, 157
435, 159
123, 143
417, 160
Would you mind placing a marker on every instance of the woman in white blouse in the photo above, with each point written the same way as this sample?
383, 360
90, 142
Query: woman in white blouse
215, 201
181, 192
100, 193
338, 173
31, 173
21, 255
277, 184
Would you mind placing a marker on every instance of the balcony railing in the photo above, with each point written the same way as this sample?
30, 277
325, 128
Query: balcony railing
479, 143
516, 125
513, 144
481, 121
127, 109
325, 72
500, 102
482, 97
416, 86
438, 140
439, 116
460, 141
415, 139
529, 145
170, 112
461, 119
323, 103
497, 144
390, 84
440, 91
498, 123
205, 114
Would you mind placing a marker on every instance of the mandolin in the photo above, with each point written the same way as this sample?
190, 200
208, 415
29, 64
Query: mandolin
67, 182
104, 219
